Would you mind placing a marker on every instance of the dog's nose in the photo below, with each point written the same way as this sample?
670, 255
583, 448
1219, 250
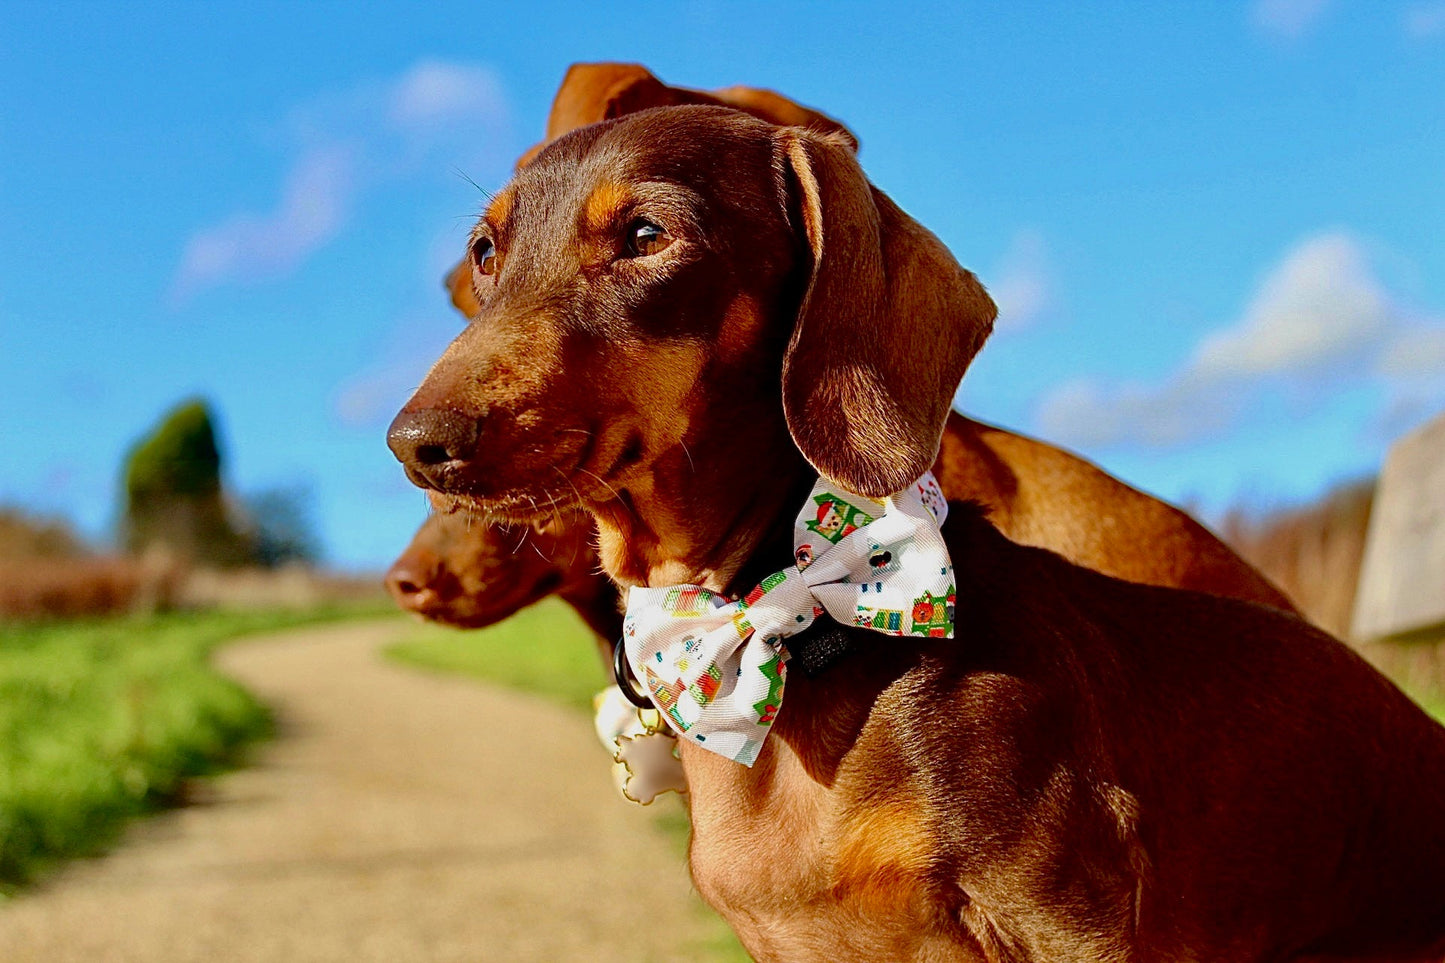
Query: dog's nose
432, 444
410, 581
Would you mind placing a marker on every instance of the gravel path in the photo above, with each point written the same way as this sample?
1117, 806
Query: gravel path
398, 816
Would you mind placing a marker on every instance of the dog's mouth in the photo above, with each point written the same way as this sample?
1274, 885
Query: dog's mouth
512, 508
597, 475
494, 603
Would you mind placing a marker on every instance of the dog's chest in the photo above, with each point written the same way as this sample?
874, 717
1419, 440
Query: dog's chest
802, 875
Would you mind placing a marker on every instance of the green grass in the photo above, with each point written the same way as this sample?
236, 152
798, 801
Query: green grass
103, 719
1428, 690
545, 649
1432, 700
548, 651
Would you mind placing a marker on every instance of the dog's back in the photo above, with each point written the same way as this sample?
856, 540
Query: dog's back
1270, 793
1041, 495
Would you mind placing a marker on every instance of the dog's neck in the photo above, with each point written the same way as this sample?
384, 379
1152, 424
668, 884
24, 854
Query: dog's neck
711, 518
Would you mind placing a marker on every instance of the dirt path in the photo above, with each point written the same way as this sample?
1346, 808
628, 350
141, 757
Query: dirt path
398, 816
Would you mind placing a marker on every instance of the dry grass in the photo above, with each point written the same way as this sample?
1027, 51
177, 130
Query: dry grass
47, 572
26, 536
48, 588
1312, 552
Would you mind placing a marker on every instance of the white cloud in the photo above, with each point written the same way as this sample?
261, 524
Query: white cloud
373, 397
1320, 324
1425, 21
314, 205
1416, 351
434, 115
1320, 306
1287, 19
434, 94
1091, 415
1021, 285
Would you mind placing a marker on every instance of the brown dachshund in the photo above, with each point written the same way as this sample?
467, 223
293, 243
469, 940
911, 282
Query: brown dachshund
686, 314
463, 571
1036, 494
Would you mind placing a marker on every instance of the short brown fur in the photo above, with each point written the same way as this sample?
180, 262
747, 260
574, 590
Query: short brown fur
1104, 770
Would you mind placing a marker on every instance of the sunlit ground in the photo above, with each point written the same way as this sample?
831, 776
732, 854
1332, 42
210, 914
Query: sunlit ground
547, 650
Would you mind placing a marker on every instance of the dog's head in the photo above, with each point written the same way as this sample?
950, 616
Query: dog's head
594, 92
463, 571
681, 282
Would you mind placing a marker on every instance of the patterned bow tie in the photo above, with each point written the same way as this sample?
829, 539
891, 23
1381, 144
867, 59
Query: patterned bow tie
715, 666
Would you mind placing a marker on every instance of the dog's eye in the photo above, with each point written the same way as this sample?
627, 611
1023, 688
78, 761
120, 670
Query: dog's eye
645, 238
484, 255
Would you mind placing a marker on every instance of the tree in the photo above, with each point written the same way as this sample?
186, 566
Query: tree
280, 527
173, 492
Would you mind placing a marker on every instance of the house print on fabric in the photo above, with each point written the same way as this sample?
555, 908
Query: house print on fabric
665, 696
767, 708
933, 614
764, 587
837, 518
687, 601
882, 620
704, 690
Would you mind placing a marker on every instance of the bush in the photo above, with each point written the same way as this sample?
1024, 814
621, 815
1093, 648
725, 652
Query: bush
49, 588
26, 536
47, 572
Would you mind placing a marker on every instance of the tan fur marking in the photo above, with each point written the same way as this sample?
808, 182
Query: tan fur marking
499, 211
882, 851
741, 330
603, 204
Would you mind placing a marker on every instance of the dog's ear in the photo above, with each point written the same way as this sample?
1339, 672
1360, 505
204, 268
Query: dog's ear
464, 297
591, 93
886, 328
777, 109
595, 92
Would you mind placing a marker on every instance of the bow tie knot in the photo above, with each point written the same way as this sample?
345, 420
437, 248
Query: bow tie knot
715, 666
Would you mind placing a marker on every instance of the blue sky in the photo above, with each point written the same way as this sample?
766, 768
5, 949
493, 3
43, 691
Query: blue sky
1216, 230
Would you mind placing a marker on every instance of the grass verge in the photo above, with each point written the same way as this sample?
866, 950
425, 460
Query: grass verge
547, 650
103, 719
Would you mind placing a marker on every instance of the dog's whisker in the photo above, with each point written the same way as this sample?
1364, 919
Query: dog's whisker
468, 178
605, 484
569, 482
